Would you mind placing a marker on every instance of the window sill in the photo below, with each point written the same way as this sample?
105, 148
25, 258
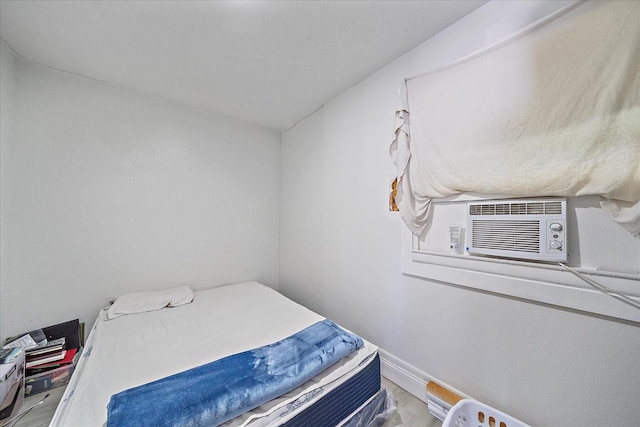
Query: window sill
539, 282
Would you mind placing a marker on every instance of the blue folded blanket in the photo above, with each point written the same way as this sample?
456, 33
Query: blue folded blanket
211, 394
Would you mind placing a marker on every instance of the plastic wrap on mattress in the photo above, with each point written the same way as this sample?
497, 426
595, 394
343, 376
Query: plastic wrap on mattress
375, 412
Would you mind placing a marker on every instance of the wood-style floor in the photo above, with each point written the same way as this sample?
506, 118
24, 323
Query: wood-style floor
411, 412
41, 414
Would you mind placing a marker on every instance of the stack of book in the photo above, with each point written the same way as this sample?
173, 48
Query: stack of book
50, 354
53, 354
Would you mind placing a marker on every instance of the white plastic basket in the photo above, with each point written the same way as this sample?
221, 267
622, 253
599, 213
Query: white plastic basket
471, 413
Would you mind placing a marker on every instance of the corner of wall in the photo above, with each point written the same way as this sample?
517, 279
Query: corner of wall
7, 92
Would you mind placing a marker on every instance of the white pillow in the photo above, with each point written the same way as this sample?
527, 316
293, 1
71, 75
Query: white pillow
140, 302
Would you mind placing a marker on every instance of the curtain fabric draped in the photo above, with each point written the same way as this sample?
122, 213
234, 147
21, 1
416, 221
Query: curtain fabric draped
554, 111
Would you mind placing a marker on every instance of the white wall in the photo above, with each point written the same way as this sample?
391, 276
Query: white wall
340, 254
105, 190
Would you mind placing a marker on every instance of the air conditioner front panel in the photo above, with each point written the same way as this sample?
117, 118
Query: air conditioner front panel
526, 229
521, 236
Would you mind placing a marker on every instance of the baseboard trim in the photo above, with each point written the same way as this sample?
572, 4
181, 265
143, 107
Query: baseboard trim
409, 377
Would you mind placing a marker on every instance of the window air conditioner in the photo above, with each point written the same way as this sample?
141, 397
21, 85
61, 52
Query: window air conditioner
532, 229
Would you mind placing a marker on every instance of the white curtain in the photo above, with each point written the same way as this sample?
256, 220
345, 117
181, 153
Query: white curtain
554, 111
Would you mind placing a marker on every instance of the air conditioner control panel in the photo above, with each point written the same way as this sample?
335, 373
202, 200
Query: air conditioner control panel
555, 235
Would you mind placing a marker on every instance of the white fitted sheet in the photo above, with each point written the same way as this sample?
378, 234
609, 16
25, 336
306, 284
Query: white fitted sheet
136, 349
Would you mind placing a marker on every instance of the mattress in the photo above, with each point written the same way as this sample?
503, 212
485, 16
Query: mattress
139, 348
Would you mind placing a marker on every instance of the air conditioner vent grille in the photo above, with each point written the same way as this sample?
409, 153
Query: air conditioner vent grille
516, 208
518, 236
503, 209
553, 208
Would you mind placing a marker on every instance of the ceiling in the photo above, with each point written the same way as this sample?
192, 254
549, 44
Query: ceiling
271, 63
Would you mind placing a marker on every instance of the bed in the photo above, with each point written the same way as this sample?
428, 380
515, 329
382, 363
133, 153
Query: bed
132, 350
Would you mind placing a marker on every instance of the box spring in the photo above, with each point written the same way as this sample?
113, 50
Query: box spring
343, 401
